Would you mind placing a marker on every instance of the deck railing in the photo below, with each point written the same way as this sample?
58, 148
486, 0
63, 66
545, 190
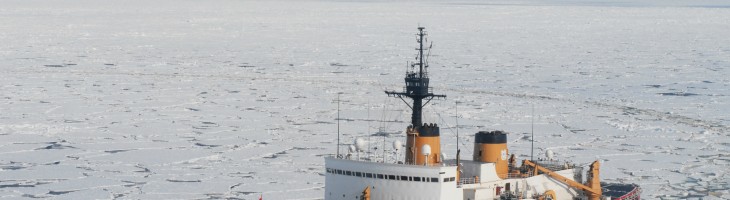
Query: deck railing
463, 181
634, 194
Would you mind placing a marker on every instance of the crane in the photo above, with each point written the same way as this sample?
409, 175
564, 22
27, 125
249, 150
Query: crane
592, 187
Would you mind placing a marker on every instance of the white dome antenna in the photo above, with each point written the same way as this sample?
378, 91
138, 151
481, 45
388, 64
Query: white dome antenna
360, 144
426, 150
397, 145
549, 154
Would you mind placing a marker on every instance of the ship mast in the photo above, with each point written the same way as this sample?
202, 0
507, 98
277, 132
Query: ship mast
417, 84
422, 139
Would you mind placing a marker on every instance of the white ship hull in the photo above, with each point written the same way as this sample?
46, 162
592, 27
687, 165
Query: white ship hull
406, 182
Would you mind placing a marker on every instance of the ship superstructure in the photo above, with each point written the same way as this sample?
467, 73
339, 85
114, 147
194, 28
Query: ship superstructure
424, 173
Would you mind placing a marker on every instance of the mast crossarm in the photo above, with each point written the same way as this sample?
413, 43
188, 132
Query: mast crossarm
400, 96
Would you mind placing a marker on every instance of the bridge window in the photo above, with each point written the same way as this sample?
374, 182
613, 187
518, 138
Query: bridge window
358, 174
436, 180
391, 177
417, 179
380, 176
368, 175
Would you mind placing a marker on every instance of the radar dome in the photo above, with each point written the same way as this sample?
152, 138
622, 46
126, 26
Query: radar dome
549, 154
360, 144
397, 145
426, 150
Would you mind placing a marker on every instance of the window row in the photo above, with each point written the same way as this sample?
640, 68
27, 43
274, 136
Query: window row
388, 176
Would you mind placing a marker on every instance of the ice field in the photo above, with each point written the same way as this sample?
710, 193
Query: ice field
237, 99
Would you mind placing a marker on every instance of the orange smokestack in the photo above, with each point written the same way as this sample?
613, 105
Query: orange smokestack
492, 147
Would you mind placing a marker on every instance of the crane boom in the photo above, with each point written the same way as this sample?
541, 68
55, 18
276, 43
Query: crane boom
593, 187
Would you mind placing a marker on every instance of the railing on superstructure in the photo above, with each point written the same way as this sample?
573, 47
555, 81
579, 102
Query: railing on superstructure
363, 157
430, 89
552, 165
463, 181
555, 165
517, 175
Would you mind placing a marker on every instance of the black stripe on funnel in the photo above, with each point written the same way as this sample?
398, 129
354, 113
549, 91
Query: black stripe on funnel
494, 137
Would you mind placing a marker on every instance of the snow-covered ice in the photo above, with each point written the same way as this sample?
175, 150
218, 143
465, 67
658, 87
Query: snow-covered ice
234, 99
